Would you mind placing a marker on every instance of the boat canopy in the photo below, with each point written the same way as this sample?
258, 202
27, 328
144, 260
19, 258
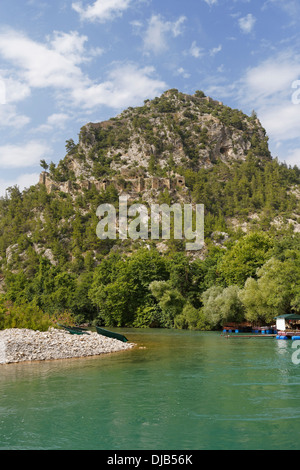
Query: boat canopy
290, 316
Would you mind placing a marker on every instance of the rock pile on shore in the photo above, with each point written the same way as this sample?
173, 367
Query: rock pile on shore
20, 345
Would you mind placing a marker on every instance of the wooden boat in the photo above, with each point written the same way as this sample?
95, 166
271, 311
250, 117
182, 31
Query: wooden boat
74, 330
111, 334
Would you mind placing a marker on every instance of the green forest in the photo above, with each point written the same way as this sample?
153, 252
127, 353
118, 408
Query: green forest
53, 267
251, 276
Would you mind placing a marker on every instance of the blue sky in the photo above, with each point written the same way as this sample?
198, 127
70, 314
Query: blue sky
68, 62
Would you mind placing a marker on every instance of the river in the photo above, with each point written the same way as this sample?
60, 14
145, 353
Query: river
177, 390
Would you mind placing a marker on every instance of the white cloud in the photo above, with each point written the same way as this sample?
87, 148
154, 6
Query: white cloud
14, 89
267, 84
211, 2
21, 156
55, 121
267, 88
196, 51
101, 10
54, 64
9, 117
247, 23
126, 85
70, 45
176, 26
155, 39
282, 120
271, 81
293, 157
215, 50
291, 7
23, 181
182, 72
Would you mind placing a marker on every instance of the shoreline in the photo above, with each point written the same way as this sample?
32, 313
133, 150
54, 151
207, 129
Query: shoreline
24, 345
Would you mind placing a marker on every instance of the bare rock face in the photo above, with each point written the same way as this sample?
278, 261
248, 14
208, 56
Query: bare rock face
161, 139
10, 252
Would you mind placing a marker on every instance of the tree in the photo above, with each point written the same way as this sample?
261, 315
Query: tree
70, 145
275, 292
191, 318
222, 305
200, 94
169, 299
120, 288
253, 301
44, 165
243, 260
253, 115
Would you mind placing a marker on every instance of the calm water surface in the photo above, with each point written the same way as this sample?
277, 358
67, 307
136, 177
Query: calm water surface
177, 390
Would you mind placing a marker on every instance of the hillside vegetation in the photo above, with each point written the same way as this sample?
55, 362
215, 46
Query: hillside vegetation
52, 262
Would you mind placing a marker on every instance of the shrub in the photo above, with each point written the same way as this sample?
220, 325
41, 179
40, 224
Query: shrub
28, 316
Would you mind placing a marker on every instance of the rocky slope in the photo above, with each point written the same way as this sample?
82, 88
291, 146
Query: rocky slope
175, 148
165, 135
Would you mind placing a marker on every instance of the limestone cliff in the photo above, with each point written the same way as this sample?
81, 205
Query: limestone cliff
174, 132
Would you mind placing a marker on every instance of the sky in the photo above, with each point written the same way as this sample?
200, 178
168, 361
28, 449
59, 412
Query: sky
64, 63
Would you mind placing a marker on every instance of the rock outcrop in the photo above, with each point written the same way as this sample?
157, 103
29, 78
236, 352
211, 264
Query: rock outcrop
164, 136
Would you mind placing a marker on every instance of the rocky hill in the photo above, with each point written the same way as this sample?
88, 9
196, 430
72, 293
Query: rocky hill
168, 134
175, 148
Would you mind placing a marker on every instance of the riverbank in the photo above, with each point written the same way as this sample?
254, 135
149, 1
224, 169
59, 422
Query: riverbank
21, 345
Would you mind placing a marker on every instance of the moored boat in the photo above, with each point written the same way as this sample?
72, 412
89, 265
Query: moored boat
74, 330
111, 334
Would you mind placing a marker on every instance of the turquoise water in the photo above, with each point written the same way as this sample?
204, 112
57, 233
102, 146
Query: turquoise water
177, 390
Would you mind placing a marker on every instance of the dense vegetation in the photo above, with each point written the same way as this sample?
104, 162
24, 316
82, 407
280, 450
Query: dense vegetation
254, 276
53, 265
256, 279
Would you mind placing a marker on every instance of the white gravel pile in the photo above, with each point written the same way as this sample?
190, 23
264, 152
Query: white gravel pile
19, 345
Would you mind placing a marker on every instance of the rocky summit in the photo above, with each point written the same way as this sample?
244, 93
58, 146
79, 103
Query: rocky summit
165, 136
